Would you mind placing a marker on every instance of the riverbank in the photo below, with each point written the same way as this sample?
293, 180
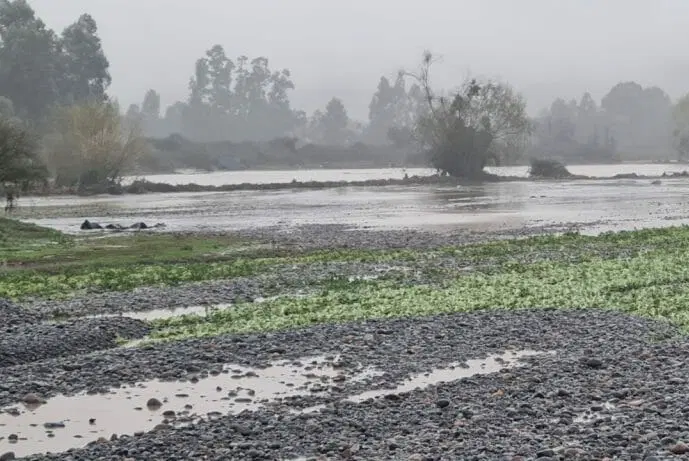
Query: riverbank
574, 332
140, 186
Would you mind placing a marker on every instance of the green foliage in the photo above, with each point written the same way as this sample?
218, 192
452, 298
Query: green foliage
18, 284
92, 145
393, 111
332, 124
37, 262
481, 123
547, 168
20, 165
650, 283
44, 263
87, 77
631, 123
681, 129
19, 240
243, 100
39, 69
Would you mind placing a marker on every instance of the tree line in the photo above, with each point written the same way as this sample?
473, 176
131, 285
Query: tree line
245, 100
58, 122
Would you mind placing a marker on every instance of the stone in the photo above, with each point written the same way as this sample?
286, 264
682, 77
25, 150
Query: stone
154, 403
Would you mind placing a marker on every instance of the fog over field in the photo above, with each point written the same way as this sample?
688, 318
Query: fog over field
315, 230
546, 49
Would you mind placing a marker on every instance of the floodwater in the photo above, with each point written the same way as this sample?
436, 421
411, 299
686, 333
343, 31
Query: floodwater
589, 416
622, 204
126, 410
85, 418
200, 310
284, 176
162, 314
453, 372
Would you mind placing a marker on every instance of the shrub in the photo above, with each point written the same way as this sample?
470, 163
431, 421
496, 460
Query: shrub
548, 168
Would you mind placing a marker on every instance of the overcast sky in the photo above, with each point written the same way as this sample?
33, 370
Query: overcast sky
545, 48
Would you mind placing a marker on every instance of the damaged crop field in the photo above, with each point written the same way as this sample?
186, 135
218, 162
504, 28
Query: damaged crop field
328, 343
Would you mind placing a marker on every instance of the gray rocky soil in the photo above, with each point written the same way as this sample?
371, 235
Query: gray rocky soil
607, 386
614, 387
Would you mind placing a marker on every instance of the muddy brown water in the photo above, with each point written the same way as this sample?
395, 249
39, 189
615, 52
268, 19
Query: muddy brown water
126, 411
80, 419
596, 205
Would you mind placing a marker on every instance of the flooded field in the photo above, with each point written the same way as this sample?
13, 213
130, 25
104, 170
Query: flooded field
65, 422
595, 205
284, 176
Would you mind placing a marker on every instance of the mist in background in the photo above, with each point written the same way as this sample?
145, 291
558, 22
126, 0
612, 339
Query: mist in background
545, 49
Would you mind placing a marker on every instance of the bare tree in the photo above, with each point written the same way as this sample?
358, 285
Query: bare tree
479, 123
93, 145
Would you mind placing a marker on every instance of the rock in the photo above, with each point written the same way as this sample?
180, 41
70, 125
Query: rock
169, 413
277, 350
9, 456
88, 225
594, 363
55, 425
679, 448
154, 403
33, 399
139, 225
442, 403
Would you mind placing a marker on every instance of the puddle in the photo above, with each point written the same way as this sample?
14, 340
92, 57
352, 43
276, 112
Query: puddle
453, 372
161, 314
202, 311
590, 416
65, 422
232, 390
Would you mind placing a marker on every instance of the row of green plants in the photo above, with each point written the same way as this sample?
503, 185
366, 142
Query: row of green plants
75, 269
653, 283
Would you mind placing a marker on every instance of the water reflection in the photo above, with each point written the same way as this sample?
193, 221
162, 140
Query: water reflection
618, 204
70, 422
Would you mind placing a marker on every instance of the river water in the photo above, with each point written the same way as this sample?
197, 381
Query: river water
284, 176
597, 205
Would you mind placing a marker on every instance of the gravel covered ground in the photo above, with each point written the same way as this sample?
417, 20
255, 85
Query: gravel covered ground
288, 279
319, 236
601, 358
37, 342
606, 386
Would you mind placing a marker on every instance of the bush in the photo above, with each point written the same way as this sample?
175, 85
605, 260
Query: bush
20, 166
547, 168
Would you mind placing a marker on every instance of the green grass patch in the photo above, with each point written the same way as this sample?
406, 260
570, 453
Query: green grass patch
653, 282
38, 262
20, 241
